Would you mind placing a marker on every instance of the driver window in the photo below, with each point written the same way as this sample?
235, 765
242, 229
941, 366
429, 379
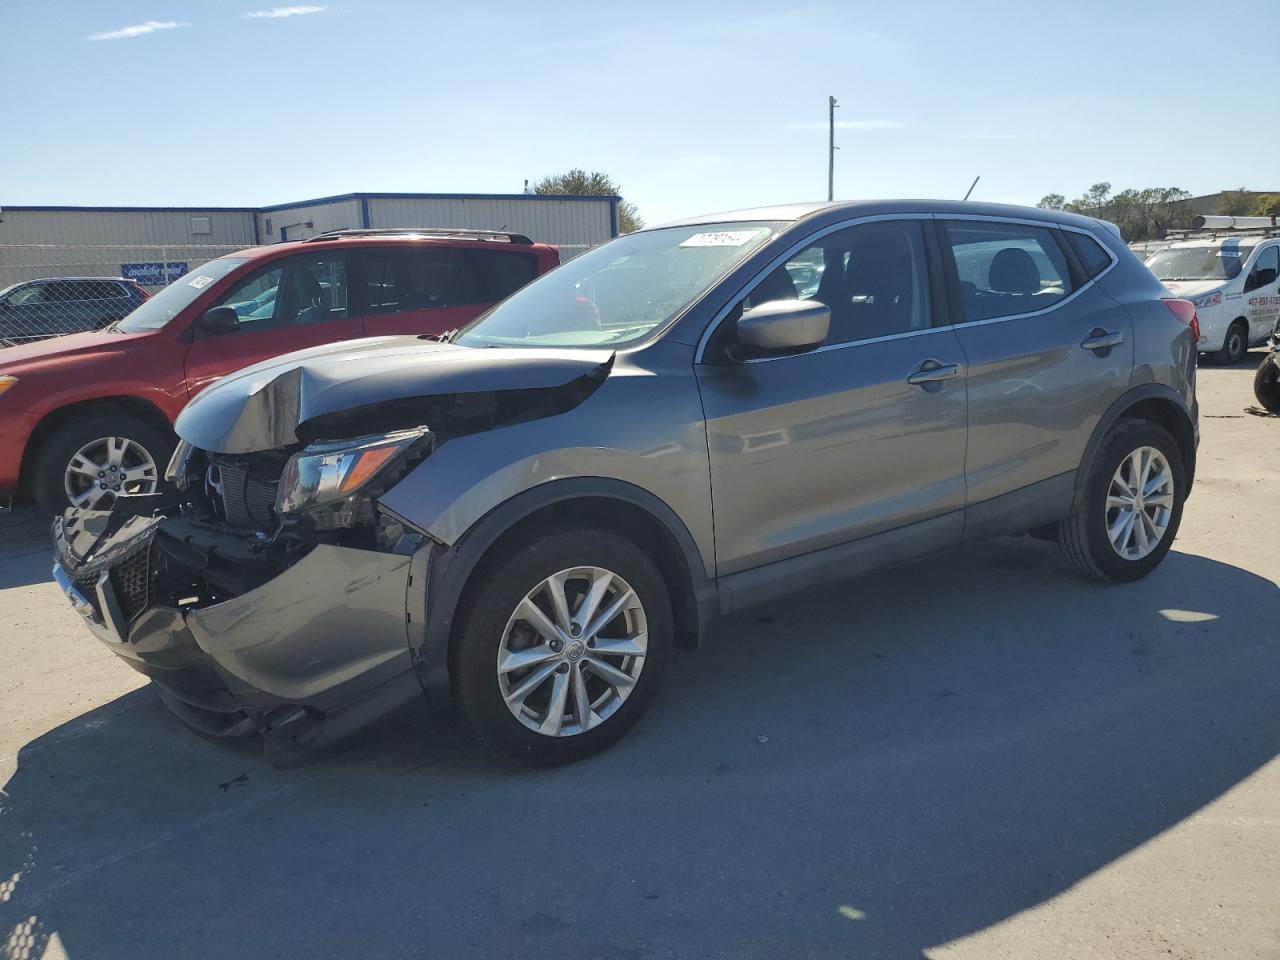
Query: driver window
291, 292
873, 277
1265, 270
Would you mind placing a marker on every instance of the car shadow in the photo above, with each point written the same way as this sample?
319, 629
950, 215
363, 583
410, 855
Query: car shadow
866, 771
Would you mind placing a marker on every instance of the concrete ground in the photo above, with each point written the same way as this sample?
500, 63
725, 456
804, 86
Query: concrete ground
976, 756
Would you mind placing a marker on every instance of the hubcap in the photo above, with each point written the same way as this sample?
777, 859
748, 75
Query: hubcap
572, 651
1139, 503
107, 468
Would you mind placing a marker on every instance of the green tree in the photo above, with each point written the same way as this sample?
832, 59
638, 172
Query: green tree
1267, 205
577, 181
1236, 203
1140, 214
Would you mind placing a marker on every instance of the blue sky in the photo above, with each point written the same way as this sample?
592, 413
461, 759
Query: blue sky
690, 106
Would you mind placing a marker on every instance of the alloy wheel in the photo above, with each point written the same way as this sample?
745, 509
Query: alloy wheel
107, 468
572, 651
1139, 503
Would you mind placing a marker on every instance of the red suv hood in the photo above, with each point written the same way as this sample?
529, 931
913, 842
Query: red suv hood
61, 351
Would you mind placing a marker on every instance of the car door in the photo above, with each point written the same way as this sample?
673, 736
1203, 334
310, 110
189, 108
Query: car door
288, 304
1262, 292
863, 435
417, 290
1047, 352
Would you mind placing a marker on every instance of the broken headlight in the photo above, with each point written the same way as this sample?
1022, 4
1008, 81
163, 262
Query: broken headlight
328, 473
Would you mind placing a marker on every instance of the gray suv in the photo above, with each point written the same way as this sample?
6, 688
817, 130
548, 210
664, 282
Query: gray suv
38, 309
521, 519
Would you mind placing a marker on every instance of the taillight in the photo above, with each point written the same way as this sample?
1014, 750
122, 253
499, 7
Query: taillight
1185, 311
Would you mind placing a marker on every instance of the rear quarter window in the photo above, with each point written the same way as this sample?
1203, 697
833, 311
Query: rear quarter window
1093, 256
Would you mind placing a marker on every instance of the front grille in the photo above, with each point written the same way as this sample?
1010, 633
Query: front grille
87, 584
248, 497
131, 579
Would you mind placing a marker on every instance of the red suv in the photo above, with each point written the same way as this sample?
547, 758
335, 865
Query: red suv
86, 417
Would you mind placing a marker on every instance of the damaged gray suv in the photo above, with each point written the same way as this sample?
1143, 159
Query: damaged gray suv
519, 521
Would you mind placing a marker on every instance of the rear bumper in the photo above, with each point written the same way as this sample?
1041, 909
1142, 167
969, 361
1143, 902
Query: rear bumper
314, 653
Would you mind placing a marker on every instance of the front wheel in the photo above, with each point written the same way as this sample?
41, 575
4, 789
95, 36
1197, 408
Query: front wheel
1235, 346
1266, 383
1129, 508
91, 462
561, 646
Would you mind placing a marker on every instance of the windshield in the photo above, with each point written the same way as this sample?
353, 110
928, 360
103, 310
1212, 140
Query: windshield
1210, 262
169, 302
619, 293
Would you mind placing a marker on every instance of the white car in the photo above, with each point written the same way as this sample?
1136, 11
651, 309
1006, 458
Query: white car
1234, 283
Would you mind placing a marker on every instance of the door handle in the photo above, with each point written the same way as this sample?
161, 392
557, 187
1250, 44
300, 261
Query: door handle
1100, 339
931, 371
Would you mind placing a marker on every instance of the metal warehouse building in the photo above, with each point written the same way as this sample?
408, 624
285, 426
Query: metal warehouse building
157, 244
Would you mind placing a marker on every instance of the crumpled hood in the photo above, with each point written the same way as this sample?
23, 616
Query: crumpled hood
262, 406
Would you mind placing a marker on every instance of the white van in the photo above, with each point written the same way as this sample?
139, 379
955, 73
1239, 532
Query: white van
1234, 281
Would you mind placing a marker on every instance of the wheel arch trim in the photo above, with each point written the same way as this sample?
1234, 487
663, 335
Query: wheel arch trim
432, 611
1184, 432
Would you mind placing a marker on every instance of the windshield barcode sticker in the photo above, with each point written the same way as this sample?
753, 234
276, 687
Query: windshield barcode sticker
721, 238
199, 282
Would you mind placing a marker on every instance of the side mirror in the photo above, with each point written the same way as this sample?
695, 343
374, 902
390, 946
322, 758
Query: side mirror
1266, 277
784, 326
217, 320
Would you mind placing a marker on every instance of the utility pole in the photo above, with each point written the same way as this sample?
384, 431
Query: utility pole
831, 147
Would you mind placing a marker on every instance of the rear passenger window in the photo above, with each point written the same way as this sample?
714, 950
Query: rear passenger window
498, 274
1007, 269
1094, 258
433, 278
102, 290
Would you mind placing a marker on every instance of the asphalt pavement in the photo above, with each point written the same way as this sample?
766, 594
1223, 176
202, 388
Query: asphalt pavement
980, 755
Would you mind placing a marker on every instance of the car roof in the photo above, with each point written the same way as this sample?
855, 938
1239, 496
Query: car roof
860, 208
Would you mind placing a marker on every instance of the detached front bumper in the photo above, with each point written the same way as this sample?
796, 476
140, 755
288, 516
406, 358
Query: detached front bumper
317, 650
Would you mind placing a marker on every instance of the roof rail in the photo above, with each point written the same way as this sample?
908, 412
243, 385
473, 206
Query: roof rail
1240, 233
452, 232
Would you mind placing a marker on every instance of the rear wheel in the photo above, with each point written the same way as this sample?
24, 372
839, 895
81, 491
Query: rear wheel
561, 647
1128, 511
89, 463
1236, 344
1266, 383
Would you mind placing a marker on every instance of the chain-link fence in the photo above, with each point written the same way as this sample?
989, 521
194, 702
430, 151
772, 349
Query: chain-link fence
47, 290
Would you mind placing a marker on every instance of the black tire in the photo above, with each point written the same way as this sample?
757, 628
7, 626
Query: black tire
1266, 383
48, 475
485, 612
1235, 345
1083, 535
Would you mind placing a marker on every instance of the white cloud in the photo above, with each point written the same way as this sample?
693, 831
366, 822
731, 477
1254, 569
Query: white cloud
279, 13
862, 125
137, 30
